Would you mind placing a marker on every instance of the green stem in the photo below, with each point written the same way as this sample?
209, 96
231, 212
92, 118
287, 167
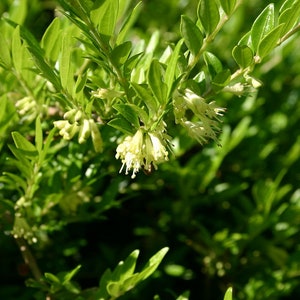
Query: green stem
29, 259
289, 34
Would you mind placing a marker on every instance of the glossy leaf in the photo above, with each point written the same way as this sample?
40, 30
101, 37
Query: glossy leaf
120, 123
128, 113
172, 66
191, 34
157, 86
228, 6
289, 18
286, 5
22, 162
38, 55
213, 63
69, 275
65, 71
18, 11
263, 24
104, 16
51, 41
269, 42
228, 294
147, 97
208, 14
221, 79
125, 268
17, 49
5, 57
23, 144
243, 56
120, 54
129, 22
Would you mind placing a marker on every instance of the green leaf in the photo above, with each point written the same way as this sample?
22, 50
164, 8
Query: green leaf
69, 275
171, 67
16, 49
38, 55
22, 162
51, 278
191, 34
221, 80
80, 83
65, 70
157, 86
153, 263
23, 144
184, 296
51, 40
269, 42
228, 6
228, 294
289, 18
120, 123
117, 288
120, 54
18, 11
213, 63
144, 94
129, 113
243, 56
208, 14
286, 5
5, 58
125, 269
129, 22
263, 24
104, 16
14, 180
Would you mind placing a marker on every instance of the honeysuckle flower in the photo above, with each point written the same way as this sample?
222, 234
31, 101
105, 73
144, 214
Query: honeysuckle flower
142, 150
27, 108
200, 108
76, 122
208, 116
106, 93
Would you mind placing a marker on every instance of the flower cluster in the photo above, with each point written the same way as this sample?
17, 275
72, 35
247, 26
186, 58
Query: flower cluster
75, 122
208, 115
142, 150
27, 109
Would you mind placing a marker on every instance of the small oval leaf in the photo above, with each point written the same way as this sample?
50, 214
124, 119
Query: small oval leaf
263, 24
208, 14
243, 56
191, 34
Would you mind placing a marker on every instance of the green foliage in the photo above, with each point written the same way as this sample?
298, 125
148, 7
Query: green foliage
104, 88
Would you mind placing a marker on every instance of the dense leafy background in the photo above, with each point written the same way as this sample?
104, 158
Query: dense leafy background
230, 214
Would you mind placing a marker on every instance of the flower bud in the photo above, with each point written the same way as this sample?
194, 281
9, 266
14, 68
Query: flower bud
78, 116
84, 131
70, 115
96, 136
60, 124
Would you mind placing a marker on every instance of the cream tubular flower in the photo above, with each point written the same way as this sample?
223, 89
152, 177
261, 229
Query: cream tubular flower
130, 151
143, 150
206, 124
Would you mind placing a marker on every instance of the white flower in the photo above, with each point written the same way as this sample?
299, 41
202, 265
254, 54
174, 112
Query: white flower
143, 150
107, 93
208, 115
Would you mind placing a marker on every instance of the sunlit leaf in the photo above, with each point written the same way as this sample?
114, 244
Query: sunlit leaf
191, 34
262, 25
208, 14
